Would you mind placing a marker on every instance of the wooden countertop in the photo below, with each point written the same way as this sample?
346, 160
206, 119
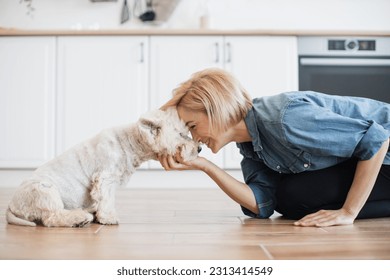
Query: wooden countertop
166, 31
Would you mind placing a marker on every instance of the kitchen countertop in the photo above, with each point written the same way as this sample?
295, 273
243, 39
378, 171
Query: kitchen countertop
169, 31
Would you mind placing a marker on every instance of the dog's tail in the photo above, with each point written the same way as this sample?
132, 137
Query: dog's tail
12, 219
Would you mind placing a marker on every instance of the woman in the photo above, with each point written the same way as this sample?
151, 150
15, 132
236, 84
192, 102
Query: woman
321, 159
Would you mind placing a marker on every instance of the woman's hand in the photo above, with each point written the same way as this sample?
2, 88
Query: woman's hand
365, 176
326, 218
177, 163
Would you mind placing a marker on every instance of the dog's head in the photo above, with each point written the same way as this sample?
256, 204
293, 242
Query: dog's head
167, 134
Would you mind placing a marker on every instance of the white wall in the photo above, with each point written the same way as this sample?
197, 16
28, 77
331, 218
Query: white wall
362, 15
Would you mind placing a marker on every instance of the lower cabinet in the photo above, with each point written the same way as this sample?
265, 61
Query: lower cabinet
265, 65
102, 82
57, 91
27, 101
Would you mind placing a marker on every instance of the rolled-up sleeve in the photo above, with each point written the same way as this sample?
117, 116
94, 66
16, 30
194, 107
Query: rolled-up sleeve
371, 141
323, 132
263, 182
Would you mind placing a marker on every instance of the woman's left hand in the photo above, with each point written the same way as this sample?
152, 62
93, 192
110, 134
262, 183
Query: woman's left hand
326, 218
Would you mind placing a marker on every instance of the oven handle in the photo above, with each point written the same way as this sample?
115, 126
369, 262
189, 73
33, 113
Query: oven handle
345, 61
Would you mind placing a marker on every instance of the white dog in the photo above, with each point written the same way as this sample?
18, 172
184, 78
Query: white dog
79, 185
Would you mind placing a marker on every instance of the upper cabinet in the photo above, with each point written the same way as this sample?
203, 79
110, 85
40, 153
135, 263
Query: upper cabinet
102, 82
27, 104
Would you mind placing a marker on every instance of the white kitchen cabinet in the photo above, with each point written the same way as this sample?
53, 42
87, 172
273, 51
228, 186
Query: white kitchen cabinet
265, 65
173, 60
102, 82
56, 91
27, 101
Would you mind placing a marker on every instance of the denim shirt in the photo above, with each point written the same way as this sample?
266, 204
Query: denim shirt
302, 131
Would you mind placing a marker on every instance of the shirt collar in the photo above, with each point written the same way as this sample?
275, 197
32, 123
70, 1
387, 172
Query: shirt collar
250, 121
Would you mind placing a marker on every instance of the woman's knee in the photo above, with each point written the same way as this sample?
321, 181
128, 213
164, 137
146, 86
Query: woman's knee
290, 203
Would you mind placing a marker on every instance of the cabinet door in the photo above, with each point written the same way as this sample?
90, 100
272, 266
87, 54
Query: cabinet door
27, 84
174, 59
264, 65
102, 83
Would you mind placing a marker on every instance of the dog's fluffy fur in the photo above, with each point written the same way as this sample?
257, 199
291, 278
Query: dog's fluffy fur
79, 186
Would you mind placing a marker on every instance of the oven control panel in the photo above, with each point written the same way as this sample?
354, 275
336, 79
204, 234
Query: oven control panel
344, 46
359, 45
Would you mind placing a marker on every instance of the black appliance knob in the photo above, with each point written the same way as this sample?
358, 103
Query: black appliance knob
351, 45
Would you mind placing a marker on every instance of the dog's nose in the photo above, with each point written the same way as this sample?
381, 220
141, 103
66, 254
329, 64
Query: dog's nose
199, 149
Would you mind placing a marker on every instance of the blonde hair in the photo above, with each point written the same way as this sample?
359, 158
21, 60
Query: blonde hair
216, 93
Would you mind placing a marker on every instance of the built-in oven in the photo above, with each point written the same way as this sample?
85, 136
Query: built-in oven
345, 66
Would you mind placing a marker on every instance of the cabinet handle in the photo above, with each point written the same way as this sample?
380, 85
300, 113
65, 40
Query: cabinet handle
228, 52
216, 52
142, 52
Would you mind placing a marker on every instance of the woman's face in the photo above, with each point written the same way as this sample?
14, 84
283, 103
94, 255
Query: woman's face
199, 127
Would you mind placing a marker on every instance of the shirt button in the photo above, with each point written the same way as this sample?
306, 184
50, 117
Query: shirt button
306, 165
278, 167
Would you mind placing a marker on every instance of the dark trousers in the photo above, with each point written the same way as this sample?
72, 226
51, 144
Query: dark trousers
307, 192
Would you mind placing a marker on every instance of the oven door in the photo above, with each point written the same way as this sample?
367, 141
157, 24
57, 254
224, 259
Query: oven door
348, 76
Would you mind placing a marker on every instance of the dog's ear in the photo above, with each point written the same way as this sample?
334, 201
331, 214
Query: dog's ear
151, 126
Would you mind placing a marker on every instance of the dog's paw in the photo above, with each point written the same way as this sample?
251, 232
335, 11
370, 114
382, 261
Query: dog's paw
82, 219
107, 219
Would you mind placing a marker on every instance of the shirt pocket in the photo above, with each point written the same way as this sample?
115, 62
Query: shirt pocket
302, 163
275, 162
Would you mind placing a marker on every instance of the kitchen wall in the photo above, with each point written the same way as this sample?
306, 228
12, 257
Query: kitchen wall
347, 15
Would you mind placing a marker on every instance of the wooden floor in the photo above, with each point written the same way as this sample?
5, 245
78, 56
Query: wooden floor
191, 224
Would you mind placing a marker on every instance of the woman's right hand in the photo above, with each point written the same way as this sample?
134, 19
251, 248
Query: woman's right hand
175, 163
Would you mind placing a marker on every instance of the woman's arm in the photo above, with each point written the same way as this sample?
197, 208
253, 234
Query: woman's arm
235, 189
364, 180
